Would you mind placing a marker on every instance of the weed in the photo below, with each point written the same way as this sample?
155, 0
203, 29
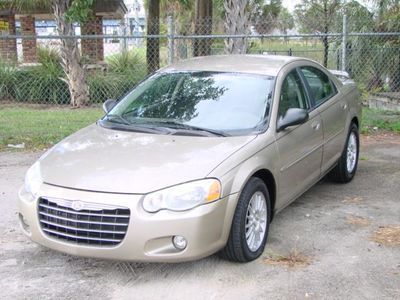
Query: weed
388, 235
357, 220
293, 259
352, 200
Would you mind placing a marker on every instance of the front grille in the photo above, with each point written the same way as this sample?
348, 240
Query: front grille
95, 224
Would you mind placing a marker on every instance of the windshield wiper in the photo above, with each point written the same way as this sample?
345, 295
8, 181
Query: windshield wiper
124, 124
113, 117
178, 125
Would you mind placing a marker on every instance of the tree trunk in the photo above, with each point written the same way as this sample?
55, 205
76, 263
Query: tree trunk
236, 22
203, 26
325, 40
153, 44
326, 50
70, 56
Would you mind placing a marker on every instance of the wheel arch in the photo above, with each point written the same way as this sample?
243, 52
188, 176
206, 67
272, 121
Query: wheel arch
356, 122
268, 178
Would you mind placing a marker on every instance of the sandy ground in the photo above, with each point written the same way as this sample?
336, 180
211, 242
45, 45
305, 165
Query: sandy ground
321, 246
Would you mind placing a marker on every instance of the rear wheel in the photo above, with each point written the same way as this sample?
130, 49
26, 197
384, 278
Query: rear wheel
347, 165
250, 223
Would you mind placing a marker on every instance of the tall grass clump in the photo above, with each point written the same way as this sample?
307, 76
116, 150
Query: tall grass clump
124, 71
8, 78
44, 83
128, 62
50, 62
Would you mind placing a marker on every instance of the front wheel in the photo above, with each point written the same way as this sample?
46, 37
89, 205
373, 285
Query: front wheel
250, 223
347, 165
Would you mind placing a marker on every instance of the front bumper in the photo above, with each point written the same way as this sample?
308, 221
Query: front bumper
149, 235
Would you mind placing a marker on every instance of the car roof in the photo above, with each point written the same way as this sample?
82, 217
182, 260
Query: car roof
256, 64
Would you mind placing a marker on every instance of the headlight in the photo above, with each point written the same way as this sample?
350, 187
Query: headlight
33, 180
184, 196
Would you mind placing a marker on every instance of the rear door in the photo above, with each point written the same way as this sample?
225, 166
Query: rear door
300, 147
333, 110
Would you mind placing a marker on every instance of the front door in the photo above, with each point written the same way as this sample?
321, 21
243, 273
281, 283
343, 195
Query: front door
300, 147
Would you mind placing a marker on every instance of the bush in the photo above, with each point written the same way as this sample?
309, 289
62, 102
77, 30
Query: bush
130, 63
124, 71
49, 57
41, 85
8, 78
46, 83
109, 86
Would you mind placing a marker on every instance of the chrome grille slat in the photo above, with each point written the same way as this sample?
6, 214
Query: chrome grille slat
82, 229
81, 221
96, 225
70, 211
78, 237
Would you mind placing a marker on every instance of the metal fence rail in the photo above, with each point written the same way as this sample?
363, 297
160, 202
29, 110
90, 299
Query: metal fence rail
117, 62
372, 59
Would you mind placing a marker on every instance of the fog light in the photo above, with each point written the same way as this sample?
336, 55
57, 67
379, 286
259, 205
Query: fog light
179, 242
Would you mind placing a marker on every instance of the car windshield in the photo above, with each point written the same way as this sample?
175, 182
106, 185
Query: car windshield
214, 102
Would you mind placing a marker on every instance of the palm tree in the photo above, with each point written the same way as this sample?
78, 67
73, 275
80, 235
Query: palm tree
157, 9
153, 28
65, 12
203, 26
236, 22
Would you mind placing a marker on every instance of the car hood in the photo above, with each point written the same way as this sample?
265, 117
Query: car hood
105, 160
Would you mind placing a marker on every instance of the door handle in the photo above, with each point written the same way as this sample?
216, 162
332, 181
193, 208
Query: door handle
344, 106
315, 126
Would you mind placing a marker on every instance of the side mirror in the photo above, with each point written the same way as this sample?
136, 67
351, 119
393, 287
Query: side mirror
108, 105
293, 116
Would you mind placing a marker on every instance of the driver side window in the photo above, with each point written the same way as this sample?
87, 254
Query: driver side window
292, 94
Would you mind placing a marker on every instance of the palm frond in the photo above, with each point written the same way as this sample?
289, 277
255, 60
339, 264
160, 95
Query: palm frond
25, 5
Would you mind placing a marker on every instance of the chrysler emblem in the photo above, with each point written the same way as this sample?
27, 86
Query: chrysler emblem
77, 205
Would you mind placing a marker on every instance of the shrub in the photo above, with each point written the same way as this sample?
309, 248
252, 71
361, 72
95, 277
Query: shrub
8, 78
42, 84
130, 63
46, 83
49, 56
108, 86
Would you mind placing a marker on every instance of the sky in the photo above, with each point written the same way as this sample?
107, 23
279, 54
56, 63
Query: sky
290, 4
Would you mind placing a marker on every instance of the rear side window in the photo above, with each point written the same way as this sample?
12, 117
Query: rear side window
320, 85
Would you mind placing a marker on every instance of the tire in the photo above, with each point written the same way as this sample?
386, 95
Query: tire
239, 248
344, 171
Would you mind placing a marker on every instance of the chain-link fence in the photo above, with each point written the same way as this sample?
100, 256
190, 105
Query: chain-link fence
32, 68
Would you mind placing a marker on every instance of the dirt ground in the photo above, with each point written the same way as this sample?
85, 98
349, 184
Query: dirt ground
334, 242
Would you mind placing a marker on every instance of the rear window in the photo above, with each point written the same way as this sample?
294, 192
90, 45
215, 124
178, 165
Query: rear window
320, 85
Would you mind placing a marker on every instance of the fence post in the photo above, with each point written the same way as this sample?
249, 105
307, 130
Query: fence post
344, 42
171, 51
123, 42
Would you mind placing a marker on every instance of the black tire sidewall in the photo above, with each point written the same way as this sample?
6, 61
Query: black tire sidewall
350, 175
254, 185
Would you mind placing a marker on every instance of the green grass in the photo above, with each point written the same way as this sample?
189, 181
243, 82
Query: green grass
41, 128
373, 120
